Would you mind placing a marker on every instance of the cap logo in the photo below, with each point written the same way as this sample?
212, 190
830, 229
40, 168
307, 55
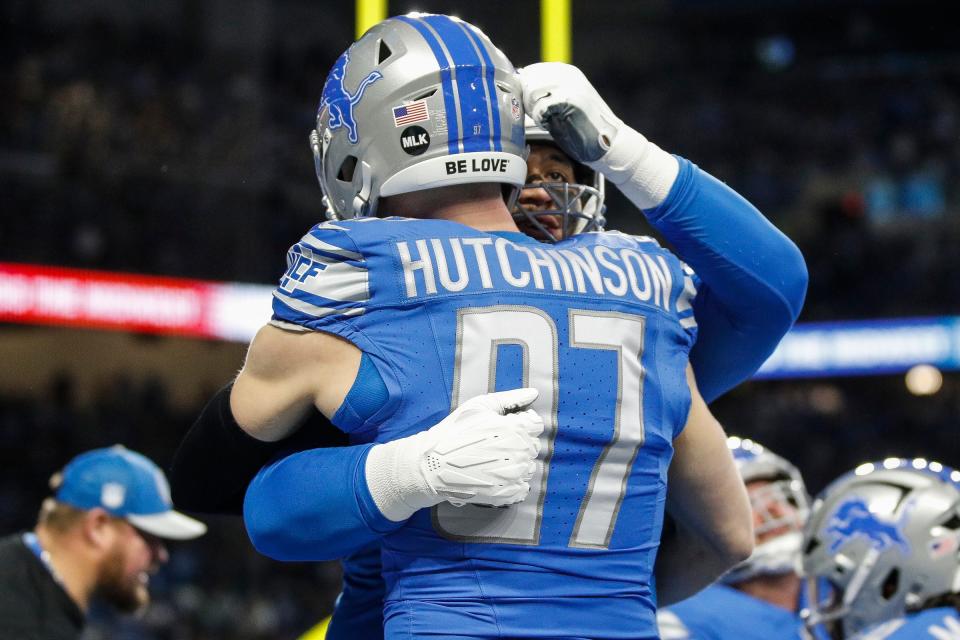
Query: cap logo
339, 102
112, 495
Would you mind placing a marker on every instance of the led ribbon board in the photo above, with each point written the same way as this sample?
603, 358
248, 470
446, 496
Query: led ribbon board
868, 347
35, 294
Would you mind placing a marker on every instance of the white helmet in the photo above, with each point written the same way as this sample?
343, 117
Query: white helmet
780, 505
579, 204
882, 540
419, 101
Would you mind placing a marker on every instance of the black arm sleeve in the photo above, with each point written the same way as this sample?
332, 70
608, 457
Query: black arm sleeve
216, 459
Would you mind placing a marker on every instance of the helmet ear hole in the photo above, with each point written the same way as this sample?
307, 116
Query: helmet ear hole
890, 584
347, 167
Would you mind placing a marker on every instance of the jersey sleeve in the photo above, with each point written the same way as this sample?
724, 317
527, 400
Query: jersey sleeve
676, 276
314, 505
754, 278
942, 623
687, 299
326, 281
358, 612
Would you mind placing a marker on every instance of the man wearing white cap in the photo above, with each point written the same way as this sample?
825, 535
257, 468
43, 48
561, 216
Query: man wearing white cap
100, 535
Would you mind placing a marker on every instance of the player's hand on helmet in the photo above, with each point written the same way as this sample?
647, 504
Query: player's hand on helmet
560, 99
483, 453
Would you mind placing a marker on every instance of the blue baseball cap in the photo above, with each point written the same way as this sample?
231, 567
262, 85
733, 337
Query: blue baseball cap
127, 485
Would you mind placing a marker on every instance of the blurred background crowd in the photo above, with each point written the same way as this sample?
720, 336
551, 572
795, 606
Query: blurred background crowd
170, 138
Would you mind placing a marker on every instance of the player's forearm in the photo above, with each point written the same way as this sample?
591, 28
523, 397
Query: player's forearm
686, 563
216, 459
314, 505
325, 503
708, 505
734, 249
754, 278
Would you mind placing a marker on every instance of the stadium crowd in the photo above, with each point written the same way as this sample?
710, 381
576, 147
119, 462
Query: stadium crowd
165, 156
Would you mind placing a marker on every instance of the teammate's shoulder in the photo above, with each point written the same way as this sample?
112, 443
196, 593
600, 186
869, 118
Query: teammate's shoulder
333, 237
705, 603
355, 235
348, 229
939, 623
614, 240
700, 615
327, 277
670, 625
369, 231
615, 235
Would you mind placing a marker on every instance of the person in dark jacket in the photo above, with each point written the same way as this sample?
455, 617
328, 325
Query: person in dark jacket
100, 536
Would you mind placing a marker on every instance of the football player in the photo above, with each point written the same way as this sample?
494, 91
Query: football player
881, 553
761, 597
384, 324
561, 197
770, 249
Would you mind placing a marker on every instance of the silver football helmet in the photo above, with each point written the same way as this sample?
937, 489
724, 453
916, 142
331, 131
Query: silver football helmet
780, 507
578, 206
419, 101
881, 541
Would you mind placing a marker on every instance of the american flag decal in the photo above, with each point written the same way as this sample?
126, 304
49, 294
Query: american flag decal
409, 113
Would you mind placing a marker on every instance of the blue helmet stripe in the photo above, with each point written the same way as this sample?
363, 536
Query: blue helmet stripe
491, 87
449, 99
471, 89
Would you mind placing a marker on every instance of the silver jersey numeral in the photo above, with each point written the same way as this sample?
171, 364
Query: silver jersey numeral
480, 332
622, 333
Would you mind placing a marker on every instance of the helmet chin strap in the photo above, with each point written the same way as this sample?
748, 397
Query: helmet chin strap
317, 148
361, 202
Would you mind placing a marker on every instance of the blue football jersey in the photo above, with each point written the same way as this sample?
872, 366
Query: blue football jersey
720, 612
358, 614
942, 623
602, 325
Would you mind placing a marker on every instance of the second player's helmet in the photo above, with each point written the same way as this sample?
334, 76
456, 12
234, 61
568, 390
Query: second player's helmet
419, 101
780, 507
578, 204
881, 541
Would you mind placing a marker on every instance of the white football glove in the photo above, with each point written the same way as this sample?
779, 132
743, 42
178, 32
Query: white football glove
560, 98
482, 453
